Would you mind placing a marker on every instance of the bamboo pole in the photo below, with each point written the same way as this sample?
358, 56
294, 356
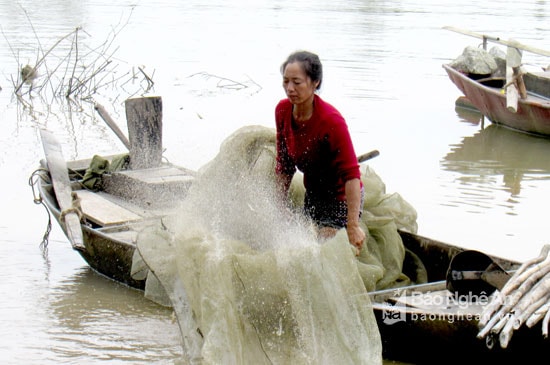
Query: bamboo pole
498, 40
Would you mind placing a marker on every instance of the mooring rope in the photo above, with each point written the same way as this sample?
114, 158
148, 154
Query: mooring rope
75, 208
40, 173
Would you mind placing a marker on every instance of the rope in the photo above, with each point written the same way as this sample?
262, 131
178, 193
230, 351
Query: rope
73, 209
37, 199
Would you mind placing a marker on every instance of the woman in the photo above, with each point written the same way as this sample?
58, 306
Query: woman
313, 137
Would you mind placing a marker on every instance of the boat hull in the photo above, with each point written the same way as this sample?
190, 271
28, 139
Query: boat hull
429, 330
103, 252
427, 338
416, 336
532, 116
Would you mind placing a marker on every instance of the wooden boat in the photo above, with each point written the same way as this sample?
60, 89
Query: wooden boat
533, 112
111, 221
411, 333
103, 225
491, 96
112, 218
426, 323
108, 222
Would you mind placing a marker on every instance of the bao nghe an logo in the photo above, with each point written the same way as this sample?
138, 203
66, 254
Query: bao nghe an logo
448, 307
392, 314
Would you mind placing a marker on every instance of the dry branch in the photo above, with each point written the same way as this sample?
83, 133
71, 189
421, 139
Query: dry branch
545, 324
77, 74
227, 83
524, 300
537, 315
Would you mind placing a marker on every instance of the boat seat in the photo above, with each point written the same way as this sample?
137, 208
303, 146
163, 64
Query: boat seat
102, 211
159, 187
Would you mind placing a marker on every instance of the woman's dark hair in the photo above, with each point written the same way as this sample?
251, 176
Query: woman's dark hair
310, 62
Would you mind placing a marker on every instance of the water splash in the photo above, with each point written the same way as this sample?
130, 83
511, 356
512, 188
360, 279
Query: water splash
249, 281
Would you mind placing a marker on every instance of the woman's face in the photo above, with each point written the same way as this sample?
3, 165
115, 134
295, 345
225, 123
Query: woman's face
298, 86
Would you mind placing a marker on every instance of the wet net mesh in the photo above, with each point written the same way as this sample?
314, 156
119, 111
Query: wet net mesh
250, 283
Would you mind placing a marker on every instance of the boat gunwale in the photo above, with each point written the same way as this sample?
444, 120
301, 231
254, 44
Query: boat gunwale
48, 199
532, 99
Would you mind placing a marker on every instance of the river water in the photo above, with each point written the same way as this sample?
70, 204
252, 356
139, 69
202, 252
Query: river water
216, 66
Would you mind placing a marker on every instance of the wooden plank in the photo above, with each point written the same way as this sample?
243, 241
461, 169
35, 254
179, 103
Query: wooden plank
102, 211
62, 187
154, 188
159, 175
498, 40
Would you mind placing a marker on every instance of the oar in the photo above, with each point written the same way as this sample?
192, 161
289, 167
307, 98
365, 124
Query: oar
473, 273
70, 216
367, 156
112, 124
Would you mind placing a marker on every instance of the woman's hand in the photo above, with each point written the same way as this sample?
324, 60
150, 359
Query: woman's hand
356, 237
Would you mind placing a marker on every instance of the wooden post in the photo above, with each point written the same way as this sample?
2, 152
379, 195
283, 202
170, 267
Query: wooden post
513, 59
518, 76
144, 118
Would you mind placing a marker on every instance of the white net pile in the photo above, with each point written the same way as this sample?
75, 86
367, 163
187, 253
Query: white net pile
249, 282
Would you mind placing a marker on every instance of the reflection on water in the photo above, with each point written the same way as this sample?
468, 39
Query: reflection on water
109, 321
498, 156
467, 112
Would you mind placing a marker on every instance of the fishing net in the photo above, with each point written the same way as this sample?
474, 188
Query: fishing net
249, 281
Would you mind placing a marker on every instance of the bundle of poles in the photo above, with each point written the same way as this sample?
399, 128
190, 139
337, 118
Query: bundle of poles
524, 300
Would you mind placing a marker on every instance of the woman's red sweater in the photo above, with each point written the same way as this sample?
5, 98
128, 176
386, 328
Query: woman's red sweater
321, 148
